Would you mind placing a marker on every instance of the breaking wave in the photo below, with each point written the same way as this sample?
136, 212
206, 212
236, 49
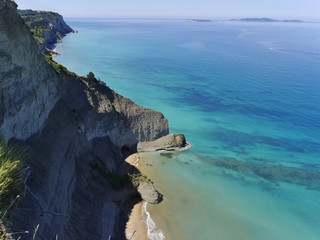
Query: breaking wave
152, 231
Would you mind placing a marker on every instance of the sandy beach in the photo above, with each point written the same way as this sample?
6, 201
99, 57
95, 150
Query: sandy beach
136, 229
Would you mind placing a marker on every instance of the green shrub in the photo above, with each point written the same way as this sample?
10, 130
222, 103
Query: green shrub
116, 180
11, 179
59, 67
138, 177
38, 34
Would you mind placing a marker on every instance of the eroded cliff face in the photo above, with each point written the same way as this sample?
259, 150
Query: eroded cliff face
48, 28
66, 124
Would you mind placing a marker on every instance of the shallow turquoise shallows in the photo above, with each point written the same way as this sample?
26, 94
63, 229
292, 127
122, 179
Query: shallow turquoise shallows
246, 95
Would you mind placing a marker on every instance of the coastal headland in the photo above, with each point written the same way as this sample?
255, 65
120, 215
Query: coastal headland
47, 28
264, 20
200, 20
76, 133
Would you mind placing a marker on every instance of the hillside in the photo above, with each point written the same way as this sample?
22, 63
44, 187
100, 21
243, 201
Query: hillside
47, 28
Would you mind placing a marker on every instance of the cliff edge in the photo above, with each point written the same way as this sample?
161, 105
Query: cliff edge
75, 132
47, 28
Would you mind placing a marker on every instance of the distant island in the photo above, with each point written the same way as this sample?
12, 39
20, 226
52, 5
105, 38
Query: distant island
264, 20
199, 20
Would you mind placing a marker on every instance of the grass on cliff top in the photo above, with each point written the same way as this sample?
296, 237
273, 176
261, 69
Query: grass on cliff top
11, 180
59, 67
37, 14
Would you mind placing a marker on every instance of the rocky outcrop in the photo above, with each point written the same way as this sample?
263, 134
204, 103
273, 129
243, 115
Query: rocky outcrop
170, 142
48, 28
148, 192
66, 123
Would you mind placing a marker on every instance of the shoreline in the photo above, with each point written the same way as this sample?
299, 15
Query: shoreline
140, 225
136, 228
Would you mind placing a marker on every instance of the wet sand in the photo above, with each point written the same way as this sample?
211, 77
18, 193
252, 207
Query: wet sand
136, 229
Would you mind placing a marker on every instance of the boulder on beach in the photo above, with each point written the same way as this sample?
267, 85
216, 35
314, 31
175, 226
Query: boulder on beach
170, 142
149, 193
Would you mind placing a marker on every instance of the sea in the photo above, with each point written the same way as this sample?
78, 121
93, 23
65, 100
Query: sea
247, 97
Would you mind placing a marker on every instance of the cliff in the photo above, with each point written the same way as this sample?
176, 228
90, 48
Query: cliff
75, 132
47, 28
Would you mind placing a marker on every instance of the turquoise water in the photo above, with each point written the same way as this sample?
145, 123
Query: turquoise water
246, 95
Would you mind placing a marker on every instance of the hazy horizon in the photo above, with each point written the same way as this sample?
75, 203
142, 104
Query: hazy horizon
212, 9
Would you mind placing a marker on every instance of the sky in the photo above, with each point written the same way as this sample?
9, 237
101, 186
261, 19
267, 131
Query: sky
281, 9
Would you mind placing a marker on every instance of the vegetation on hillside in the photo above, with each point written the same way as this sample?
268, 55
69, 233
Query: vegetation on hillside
11, 184
59, 67
138, 177
46, 27
38, 23
37, 15
116, 180
38, 34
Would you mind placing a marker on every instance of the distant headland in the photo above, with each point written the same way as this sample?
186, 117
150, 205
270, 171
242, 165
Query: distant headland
199, 20
264, 20
47, 28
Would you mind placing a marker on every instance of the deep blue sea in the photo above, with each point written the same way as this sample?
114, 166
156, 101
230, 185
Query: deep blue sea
247, 97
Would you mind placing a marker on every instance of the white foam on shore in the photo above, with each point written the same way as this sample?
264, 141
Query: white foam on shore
152, 231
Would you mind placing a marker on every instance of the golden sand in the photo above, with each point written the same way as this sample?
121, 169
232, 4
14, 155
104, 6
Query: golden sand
136, 229
133, 159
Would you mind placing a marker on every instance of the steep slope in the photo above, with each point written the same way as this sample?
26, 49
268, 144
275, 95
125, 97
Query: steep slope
47, 28
68, 125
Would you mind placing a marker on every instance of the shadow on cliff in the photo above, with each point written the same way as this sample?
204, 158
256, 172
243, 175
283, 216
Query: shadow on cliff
93, 179
68, 124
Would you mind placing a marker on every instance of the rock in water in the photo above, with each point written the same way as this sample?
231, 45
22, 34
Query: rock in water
170, 142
